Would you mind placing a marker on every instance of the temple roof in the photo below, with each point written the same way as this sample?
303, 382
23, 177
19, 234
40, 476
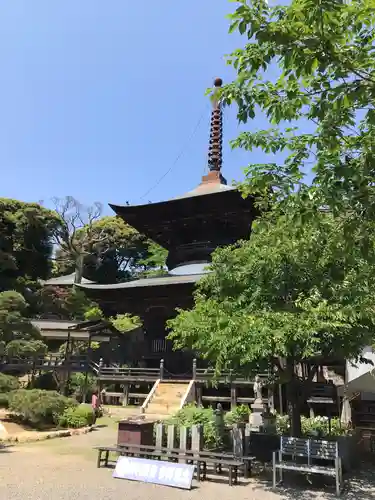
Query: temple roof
206, 188
100, 330
66, 280
147, 282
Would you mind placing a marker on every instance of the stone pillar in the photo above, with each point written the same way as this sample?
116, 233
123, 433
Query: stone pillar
256, 419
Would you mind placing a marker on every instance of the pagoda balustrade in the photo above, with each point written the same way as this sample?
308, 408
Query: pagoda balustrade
44, 363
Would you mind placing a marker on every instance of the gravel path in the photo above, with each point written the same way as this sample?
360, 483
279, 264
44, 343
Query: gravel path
65, 469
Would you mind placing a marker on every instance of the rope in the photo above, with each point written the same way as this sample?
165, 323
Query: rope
180, 154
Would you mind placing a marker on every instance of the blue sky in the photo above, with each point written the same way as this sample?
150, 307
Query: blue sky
98, 99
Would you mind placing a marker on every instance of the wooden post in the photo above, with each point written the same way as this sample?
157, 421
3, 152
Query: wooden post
312, 414
281, 406
84, 396
125, 399
233, 397
237, 439
196, 438
183, 440
247, 440
171, 433
198, 394
158, 436
67, 364
161, 374
271, 400
194, 369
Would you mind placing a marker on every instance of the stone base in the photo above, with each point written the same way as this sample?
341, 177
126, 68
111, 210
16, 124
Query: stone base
256, 418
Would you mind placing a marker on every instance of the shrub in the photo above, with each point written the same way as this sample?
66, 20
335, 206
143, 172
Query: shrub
81, 416
193, 415
79, 385
314, 427
8, 383
39, 407
240, 414
4, 400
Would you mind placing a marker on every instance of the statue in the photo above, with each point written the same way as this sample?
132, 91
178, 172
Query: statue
257, 388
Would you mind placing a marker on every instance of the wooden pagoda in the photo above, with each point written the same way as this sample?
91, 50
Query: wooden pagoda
190, 227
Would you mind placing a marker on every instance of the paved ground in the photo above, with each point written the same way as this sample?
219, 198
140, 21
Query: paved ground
65, 469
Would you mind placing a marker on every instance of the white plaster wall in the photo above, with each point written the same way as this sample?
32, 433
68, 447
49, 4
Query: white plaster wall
359, 369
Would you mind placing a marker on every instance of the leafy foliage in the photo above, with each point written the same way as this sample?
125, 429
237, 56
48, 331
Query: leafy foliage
80, 416
287, 297
4, 399
26, 233
240, 414
79, 385
155, 261
39, 407
125, 322
309, 68
8, 383
314, 427
110, 248
193, 415
18, 337
63, 303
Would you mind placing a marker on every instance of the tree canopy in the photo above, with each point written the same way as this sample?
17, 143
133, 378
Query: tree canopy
283, 301
303, 286
26, 235
18, 336
309, 68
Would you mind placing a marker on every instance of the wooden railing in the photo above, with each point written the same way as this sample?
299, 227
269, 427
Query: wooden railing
53, 361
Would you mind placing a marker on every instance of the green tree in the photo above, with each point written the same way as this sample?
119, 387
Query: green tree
18, 337
125, 322
309, 68
26, 235
111, 250
154, 263
285, 300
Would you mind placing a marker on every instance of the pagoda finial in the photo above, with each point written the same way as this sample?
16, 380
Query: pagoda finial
215, 155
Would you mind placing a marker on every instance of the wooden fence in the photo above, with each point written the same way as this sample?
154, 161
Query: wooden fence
235, 439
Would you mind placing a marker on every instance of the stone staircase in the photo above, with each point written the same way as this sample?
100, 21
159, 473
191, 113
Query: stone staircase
167, 399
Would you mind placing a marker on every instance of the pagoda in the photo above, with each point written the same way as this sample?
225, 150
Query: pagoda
190, 227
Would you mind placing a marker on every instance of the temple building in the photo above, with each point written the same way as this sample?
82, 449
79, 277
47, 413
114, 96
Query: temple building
190, 227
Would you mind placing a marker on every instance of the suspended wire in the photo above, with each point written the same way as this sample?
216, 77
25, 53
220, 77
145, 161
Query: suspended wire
179, 156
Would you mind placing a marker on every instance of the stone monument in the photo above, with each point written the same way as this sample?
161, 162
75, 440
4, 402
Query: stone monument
256, 418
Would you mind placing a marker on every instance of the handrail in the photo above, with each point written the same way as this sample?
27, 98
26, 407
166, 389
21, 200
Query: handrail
150, 395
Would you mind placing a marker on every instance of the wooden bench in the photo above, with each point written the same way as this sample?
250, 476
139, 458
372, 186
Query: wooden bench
304, 455
175, 454
200, 458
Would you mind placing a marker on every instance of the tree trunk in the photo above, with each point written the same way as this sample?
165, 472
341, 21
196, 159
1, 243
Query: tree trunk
78, 269
293, 395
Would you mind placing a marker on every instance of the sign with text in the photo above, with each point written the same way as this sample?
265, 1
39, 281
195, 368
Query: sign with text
154, 471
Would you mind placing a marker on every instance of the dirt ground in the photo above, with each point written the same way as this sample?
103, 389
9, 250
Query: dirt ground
65, 469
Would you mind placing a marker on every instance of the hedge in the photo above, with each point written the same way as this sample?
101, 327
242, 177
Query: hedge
8, 383
39, 407
81, 416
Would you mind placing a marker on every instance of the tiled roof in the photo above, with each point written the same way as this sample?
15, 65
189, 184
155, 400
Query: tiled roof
68, 279
145, 282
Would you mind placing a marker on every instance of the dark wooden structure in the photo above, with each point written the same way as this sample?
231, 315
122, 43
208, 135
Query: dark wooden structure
190, 227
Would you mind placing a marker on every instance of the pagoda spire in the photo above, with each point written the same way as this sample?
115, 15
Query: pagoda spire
215, 150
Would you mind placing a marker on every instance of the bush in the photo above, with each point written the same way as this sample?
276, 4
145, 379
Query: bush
237, 416
39, 407
193, 415
8, 383
79, 385
314, 427
4, 400
81, 416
